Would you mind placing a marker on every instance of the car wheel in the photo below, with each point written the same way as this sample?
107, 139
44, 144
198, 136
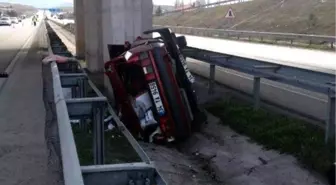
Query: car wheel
182, 130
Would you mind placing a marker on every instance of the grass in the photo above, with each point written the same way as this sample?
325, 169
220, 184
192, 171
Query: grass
294, 16
278, 132
117, 148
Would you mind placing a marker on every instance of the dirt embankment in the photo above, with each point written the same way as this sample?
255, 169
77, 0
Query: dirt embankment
291, 16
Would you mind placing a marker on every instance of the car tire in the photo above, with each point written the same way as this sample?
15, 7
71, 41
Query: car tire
181, 129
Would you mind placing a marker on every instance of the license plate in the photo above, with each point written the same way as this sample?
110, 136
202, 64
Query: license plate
186, 69
156, 97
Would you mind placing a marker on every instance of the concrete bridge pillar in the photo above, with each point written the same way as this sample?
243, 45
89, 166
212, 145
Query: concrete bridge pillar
93, 35
79, 28
109, 22
124, 20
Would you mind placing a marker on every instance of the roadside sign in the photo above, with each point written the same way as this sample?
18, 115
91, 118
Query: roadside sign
230, 14
54, 10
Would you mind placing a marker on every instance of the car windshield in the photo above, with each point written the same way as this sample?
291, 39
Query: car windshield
4, 18
13, 18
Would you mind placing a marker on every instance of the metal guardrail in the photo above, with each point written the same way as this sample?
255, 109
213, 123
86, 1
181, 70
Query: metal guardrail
69, 23
301, 78
70, 162
262, 36
80, 106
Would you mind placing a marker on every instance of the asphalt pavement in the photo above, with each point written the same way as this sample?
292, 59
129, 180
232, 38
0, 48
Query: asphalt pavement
12, 39
23, 151
316, 60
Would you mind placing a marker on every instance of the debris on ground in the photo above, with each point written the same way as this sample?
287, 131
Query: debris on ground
222, 156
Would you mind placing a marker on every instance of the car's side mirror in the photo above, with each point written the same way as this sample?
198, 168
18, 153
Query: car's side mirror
181, 42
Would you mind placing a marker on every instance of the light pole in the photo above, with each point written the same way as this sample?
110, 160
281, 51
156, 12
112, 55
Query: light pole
182, 6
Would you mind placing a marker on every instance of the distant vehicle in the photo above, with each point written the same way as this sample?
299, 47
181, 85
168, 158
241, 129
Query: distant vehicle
5, 21
14, 20
22, 17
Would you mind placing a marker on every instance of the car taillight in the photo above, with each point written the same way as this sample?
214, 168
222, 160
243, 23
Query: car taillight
147, 66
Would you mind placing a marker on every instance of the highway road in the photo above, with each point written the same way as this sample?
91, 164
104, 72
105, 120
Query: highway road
323, 61
23, 150
12, 39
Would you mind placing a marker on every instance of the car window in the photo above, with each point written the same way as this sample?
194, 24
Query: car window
4, 19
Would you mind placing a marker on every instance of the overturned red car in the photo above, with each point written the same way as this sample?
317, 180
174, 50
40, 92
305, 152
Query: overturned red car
153, 88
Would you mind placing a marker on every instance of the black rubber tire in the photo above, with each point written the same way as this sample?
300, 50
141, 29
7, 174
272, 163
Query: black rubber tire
182, 130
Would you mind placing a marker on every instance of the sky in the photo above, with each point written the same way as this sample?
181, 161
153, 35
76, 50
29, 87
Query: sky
50, 3
39, 3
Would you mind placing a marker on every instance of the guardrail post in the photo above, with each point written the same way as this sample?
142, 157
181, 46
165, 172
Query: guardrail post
330, 125
212, 78
256, 92
74, 92
82, 94
98, 133
80, 88
85, 87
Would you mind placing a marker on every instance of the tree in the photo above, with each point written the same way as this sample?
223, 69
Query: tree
12, 13
312, 20
158, 11
177, 4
